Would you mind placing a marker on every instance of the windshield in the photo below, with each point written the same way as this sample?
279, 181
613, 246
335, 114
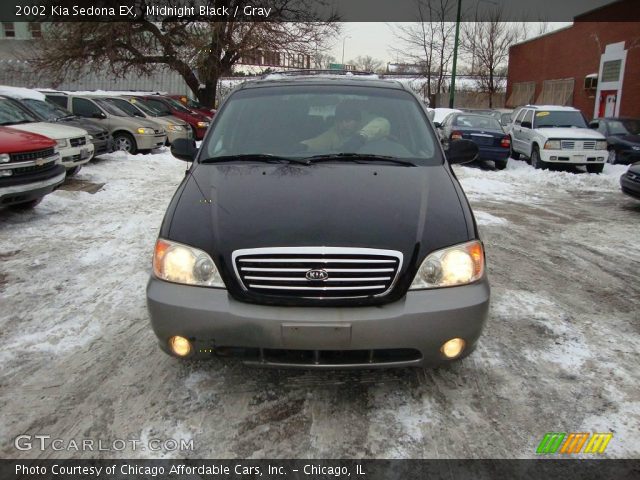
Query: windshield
624, 127
155, 105
112, 109
313, 121
148, 109
476, 121
559, 119
10, 113
48, 111
125, 106
177, 105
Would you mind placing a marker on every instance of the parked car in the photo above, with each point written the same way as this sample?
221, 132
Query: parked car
551, 134
623, 138
630, 181
484, 131
340, 243
129, 134
74, 144
48, 112
174, 127
29, 167
439, 114
195, 106
168, 106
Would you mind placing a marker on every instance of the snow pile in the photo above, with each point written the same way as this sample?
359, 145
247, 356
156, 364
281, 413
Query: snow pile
19, 92
485, 218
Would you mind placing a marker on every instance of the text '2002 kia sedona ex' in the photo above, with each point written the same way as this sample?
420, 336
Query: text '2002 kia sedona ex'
320, 225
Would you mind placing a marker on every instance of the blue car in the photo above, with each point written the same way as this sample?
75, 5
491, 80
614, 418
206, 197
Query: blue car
483, 130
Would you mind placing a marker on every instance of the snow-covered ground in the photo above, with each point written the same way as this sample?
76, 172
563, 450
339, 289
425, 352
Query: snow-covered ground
560, 351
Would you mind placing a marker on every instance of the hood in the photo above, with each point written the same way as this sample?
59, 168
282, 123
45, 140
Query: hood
164, 122
635, 168
77, 122
227, 207
133, 122
18, 141
571, 133
51, 130
632, 140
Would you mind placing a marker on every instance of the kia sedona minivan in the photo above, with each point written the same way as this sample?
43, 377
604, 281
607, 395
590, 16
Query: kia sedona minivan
320, 225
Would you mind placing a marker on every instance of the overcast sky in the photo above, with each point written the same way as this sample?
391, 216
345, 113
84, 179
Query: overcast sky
375, 39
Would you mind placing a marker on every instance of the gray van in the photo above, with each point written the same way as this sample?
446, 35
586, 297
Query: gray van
129, 134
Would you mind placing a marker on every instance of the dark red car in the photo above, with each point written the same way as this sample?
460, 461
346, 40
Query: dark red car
195, 106
166, 105
29, 168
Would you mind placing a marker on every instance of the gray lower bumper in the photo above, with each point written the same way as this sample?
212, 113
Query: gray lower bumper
422, 320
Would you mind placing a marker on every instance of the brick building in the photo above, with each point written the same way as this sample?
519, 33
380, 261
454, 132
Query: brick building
593, 65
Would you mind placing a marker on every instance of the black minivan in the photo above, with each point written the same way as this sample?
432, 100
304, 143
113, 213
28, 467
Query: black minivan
320, 225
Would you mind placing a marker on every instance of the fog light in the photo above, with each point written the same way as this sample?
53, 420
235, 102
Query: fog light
453, 347
180, 346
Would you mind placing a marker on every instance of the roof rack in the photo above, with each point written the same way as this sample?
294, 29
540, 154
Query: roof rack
316, 71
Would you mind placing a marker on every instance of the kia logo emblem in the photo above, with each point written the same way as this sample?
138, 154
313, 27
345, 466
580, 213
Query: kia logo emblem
317, 275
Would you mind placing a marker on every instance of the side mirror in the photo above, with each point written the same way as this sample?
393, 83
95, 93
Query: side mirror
184, 149
461, 151
525, 124
99, 115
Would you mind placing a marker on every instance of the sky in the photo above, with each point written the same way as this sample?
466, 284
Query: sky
376, 39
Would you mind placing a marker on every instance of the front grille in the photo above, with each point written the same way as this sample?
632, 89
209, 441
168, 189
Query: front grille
30, 156
71, 158
578, 144
33, 169
317, 272
76, 142
589, 145
101, 136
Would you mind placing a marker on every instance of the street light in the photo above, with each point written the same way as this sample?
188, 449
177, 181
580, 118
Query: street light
343, 42
452, 88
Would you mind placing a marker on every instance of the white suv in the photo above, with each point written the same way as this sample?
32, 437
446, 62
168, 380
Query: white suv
551, 134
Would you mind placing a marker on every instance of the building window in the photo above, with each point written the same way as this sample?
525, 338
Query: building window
556, 92
522, 94
9, 29
35, 29
611, 70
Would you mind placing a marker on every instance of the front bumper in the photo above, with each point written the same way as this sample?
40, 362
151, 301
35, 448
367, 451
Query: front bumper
73, 156
630, 184
149, 142
32, 187
422, 320
627, 157
574, 157
100, 147
172, 135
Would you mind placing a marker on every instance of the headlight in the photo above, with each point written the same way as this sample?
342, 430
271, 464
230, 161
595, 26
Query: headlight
5, 158
174, 128
457, 265
552, 145
145, 131
61, 143
601, 145
178, 263
203, 124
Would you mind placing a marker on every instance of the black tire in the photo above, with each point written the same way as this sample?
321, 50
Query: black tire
73, 170
26, 205
536, 161
596, 168
613, 156
513, 154
500, 165
125, 142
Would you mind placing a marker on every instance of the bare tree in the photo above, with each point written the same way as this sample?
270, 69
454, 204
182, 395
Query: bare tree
200, 52
429, 41
367, 63
487, 41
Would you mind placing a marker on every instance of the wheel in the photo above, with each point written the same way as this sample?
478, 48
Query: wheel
513, 154
536, 161
500, 165
125, 142
26, 205
596, 168
613, 156
72, 171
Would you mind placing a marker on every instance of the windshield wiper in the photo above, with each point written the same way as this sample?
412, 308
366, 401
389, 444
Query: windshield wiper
260, 157
17, 123
359, 158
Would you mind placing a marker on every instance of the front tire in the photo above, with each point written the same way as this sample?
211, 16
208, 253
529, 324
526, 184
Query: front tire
125, 143
536, 161
597, 168
73, 170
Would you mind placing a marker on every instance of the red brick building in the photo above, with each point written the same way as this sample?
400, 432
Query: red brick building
591, 65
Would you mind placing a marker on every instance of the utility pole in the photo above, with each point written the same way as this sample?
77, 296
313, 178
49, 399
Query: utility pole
452, 88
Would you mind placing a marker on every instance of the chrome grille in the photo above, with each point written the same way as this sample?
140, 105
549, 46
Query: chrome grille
568, 145
578, 144
25, 157
76, 142
349, 272
589, 145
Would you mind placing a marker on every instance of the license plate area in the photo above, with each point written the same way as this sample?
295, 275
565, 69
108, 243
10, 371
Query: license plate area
316, 336
84, 153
